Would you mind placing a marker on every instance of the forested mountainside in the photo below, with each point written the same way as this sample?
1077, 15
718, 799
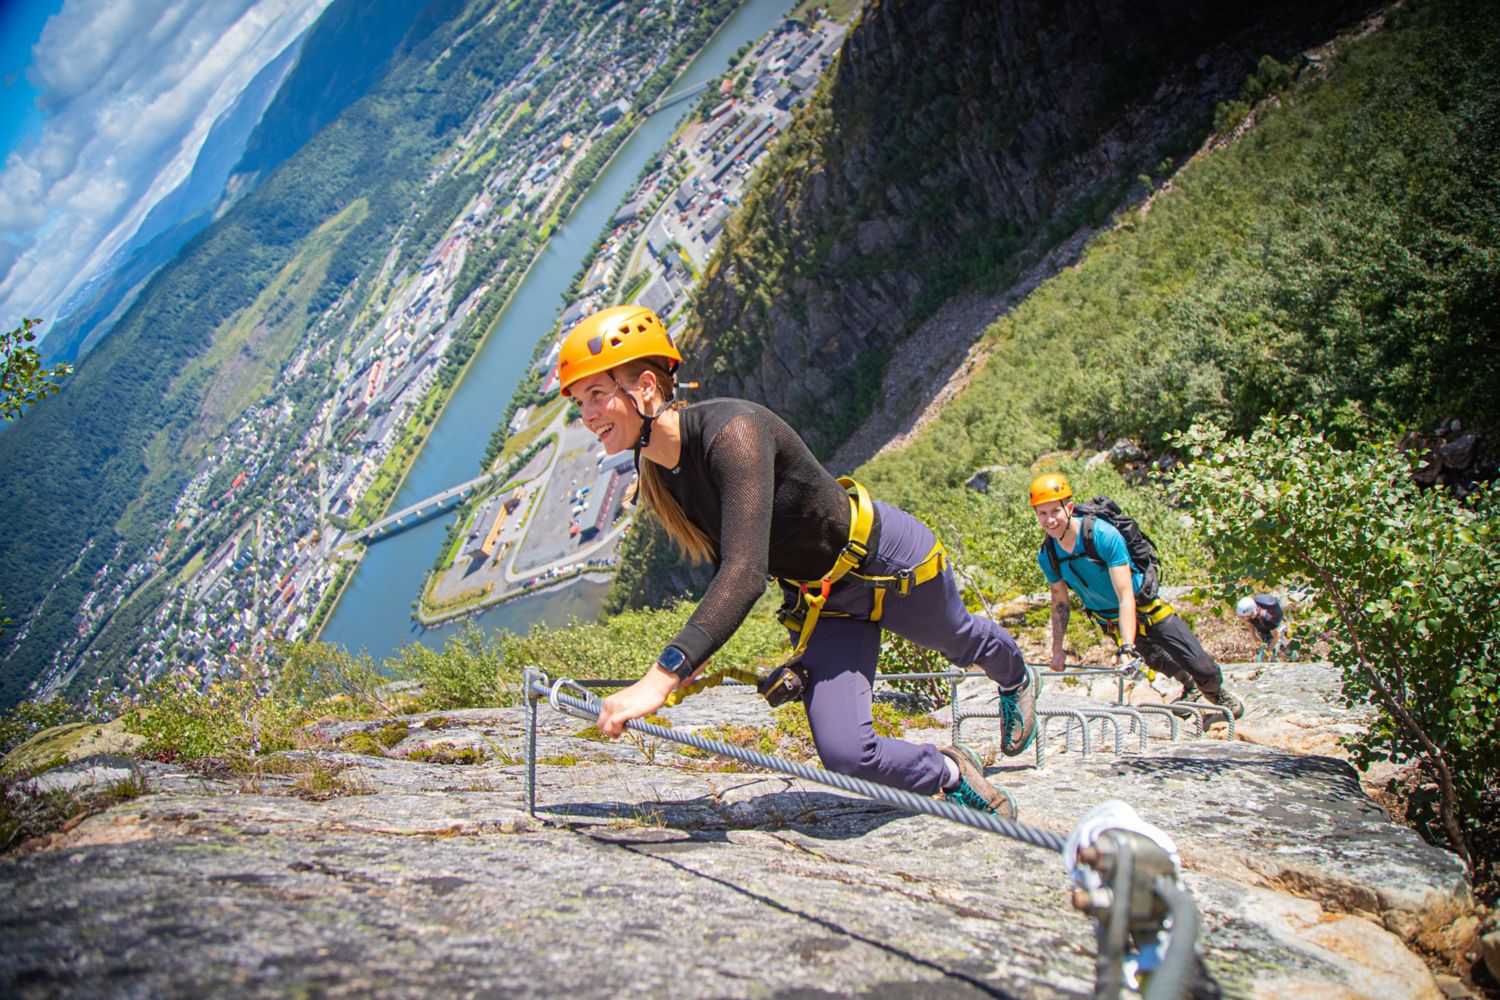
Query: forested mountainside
1334, 245
953, 146
92, 477
336, 61
349, 48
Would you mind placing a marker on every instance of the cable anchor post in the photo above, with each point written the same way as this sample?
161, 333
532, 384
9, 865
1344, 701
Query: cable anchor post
1128, 879
534, 682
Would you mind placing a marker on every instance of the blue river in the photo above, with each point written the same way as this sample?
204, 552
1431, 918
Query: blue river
375, 613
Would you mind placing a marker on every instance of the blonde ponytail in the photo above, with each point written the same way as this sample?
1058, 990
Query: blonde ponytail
687, 536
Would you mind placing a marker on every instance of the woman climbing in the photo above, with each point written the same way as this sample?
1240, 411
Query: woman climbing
733, 484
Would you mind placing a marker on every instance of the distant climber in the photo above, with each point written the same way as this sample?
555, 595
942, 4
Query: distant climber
1090, 555
733, 484
1265, 616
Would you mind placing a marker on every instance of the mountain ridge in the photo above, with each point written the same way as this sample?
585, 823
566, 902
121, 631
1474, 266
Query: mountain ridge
984, 195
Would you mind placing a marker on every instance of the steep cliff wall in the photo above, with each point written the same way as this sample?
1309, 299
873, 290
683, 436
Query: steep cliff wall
954, 144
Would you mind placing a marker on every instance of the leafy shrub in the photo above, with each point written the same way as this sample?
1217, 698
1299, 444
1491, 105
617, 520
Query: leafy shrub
23, 721
263, 707
1405, 584
472, 670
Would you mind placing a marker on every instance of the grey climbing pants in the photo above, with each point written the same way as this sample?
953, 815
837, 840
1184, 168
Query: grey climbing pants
1172, 649
841, 655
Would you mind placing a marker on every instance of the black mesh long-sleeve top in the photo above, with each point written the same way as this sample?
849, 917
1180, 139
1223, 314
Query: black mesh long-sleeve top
752, 486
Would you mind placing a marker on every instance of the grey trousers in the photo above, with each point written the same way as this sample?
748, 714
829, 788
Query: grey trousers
1172, 649
841, 655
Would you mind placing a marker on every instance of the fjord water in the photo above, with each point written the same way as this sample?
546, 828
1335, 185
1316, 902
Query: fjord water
375, 613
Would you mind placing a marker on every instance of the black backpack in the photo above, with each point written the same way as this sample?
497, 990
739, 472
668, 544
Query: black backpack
1142, 552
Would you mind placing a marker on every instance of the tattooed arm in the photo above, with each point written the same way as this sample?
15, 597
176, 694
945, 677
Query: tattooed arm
1060, 614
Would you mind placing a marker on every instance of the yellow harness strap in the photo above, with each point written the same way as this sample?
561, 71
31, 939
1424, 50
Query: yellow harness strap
706, 681
1146, 615
861, 521
815, 592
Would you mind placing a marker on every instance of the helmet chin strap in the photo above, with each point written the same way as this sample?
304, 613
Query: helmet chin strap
647, 422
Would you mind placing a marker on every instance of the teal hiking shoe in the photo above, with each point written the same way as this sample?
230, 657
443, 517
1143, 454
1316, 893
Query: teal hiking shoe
1018, 717
974, 790
1226, 700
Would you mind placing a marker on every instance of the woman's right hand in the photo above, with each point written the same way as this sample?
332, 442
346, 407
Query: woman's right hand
642, 698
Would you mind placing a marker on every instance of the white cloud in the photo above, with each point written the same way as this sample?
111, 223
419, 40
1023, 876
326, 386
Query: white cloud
131, 89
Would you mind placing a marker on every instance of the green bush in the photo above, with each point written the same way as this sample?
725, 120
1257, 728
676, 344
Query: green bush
26, 719
472, 670
1405, 585
262, 708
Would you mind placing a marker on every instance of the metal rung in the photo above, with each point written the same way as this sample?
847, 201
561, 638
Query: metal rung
1163, 711
1203, 709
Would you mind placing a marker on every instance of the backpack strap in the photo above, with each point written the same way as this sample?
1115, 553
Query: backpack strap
1089, 552
1051, 548
1088, 541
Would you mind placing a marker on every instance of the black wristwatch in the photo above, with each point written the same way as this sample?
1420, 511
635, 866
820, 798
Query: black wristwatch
1127, 647
675, 661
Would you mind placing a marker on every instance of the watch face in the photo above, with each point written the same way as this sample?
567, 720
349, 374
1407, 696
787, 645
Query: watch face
672, 660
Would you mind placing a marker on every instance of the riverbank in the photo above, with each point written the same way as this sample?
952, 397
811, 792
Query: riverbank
375, 612
571, 579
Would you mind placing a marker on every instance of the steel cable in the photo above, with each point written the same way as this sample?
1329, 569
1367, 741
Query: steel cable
587, 707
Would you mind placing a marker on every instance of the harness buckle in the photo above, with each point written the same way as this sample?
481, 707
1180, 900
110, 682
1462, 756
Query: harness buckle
903, 581
827, 584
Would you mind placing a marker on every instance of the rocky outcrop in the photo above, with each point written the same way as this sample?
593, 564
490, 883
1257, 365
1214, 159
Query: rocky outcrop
649, 869
957, 143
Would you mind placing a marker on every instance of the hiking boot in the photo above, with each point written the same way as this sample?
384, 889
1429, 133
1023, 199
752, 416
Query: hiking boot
1018, 717
1190, 691
1226, 700
974, 789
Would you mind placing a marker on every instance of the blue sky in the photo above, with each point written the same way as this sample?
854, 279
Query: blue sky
20, 26
106, 104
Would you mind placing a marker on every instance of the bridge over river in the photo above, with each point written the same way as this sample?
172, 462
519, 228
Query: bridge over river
667, 100
422, 510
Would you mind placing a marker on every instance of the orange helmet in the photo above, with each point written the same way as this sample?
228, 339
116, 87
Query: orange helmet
611, 337
1050, 486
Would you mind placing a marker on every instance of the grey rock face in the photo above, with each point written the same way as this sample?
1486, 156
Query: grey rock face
647, 868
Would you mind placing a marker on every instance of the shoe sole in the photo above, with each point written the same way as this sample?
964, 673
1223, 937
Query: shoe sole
1034, 680
1011, 811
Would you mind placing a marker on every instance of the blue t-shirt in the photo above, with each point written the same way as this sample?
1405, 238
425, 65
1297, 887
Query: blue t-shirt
1089, 580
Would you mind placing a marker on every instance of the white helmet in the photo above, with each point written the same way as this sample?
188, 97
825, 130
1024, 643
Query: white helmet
1246, 608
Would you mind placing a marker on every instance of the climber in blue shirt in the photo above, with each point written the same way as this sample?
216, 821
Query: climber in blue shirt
1107, 584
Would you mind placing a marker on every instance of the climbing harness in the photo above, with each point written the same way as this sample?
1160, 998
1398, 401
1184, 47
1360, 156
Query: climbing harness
789, 681
1126, 871
1147, 614
812, 595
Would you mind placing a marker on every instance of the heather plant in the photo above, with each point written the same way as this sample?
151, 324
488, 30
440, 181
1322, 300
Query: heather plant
1404, 583
24, 720
258, 707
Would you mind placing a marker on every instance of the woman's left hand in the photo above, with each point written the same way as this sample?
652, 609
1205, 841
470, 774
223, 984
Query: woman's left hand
645, 696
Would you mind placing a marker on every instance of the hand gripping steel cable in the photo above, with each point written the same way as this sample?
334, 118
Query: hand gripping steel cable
1127, 871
